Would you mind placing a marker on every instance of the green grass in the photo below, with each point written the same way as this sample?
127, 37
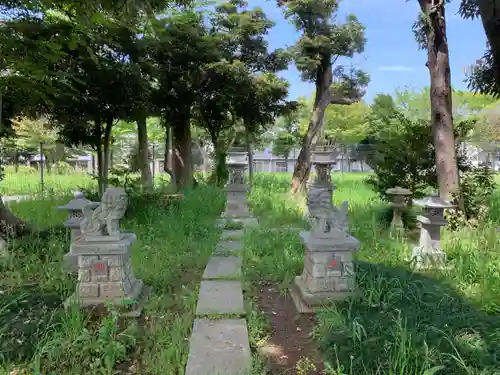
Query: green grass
406, 323
172, 249
27, 180
445, 322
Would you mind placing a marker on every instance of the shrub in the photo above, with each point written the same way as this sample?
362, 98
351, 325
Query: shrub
477, 187
64, 168
404, 155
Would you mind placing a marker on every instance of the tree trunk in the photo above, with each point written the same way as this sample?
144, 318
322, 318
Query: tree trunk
440, 95
99, 154
251, 172
10, 224
322, 99
167, 159
142, 138
100, 168
183, 165
106, 142
489, 11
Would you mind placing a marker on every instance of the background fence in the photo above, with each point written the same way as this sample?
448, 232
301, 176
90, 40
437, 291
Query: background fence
49, 168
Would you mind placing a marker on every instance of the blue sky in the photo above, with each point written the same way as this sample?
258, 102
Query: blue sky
391, 56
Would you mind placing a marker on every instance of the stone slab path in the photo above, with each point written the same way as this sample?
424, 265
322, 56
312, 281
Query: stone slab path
232, 234
219, 340
230, 246
220, 297
219, 347
220, 267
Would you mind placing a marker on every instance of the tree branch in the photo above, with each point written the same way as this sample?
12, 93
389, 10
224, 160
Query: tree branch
343, 101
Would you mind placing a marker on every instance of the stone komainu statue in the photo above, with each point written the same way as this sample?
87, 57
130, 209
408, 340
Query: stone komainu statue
105, 219
326, 215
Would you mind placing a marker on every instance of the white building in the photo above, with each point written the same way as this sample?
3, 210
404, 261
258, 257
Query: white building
265, 161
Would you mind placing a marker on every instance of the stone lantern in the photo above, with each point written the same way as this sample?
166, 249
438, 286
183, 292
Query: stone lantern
328, 269
398, 204
237, 188
428, 253
75, 216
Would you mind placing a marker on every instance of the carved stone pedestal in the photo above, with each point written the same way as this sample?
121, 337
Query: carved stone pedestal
236, 203
328, 270
105, 275
236, 190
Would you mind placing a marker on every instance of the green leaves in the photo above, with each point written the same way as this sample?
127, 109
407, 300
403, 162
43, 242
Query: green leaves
323, 39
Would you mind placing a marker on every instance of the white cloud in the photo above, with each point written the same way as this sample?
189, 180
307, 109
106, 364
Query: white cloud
396, 68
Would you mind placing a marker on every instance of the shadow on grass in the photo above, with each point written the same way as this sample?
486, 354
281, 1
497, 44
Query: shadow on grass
27, 314
407, 323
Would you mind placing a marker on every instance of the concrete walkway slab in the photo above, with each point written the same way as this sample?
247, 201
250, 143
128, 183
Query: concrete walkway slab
220, 297
237, 234
248, 222
220, 267
233, 246
219, 347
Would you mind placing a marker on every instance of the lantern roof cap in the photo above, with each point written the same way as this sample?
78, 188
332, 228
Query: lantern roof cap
398, 190
77, 203
433, 201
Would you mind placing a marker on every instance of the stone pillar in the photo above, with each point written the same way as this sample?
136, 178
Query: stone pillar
328, 269
428, 253
237, 188
75, 216
398, 196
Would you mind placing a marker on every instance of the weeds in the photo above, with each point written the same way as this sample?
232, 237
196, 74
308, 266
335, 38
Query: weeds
444, 322
39, 336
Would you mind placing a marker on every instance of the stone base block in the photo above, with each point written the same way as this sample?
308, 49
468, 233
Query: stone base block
307, 301
129, 307
428, 258
70, 262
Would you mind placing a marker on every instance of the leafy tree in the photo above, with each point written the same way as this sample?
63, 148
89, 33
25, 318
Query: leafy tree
46, 49
107, 86
416, 104
287, 135
321, 44
485, 75
487, 128
36, 135
183, 47
240, 95
347, 124
402, 153
263, 103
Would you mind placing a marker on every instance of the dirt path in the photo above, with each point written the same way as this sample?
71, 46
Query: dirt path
290, 337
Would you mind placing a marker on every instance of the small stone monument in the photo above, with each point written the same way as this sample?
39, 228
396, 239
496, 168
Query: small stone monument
328, 269
398, 204
428, 253
236, 188
75, 212
103, 252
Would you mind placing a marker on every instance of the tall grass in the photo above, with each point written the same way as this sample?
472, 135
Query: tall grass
442, 322
172, 249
